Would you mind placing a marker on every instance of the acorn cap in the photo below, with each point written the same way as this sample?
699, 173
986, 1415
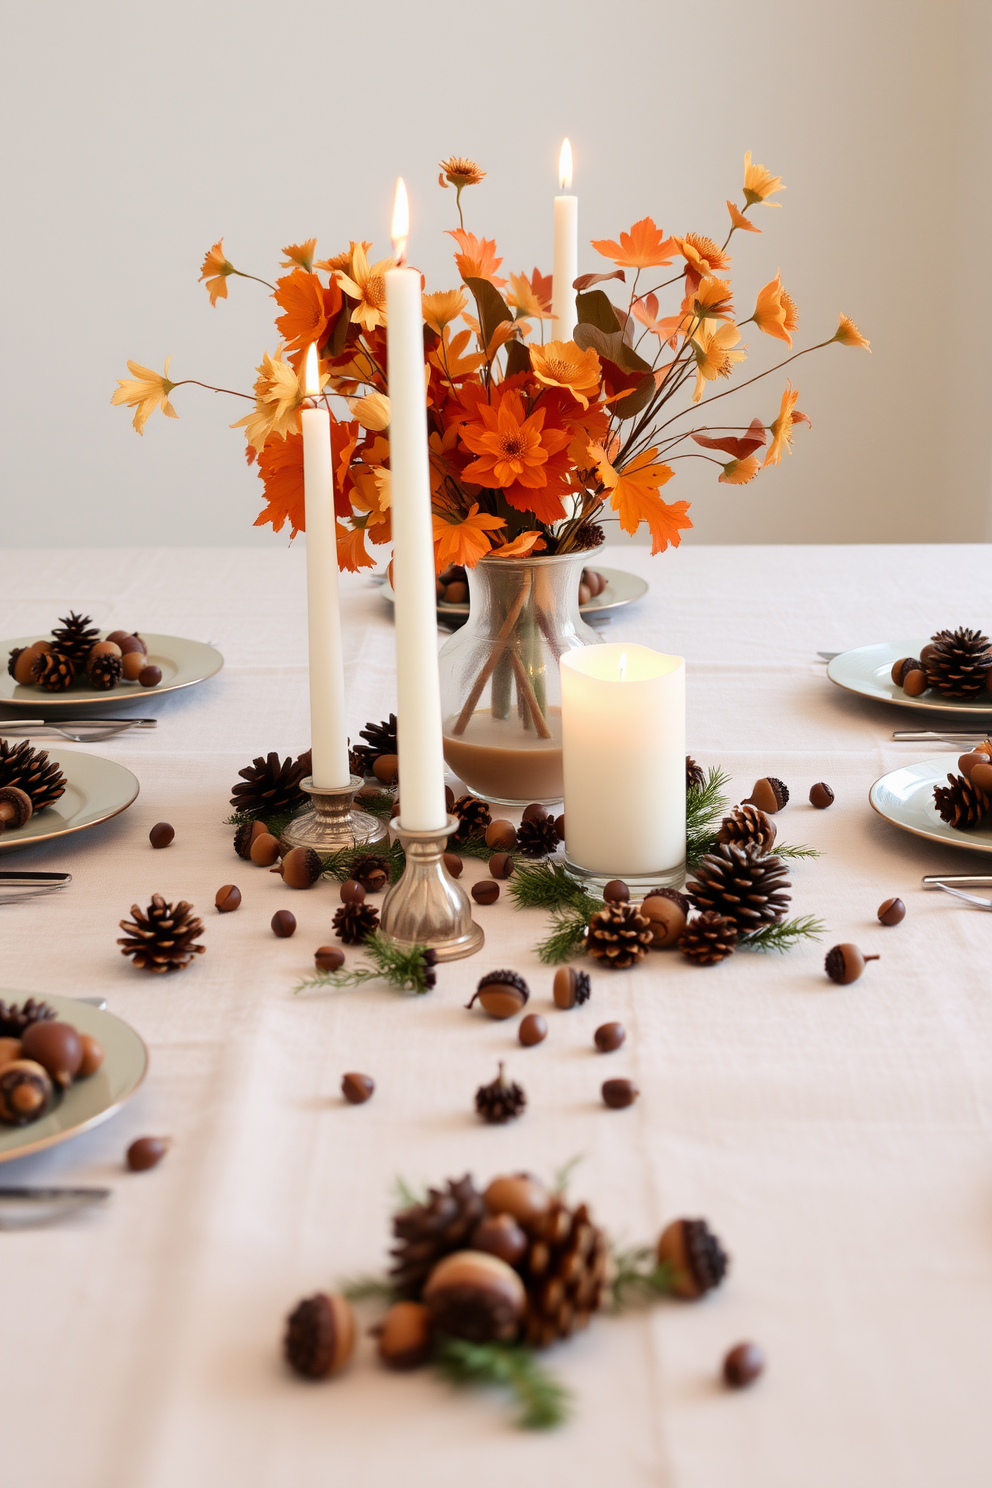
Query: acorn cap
475, 1296
320, 1336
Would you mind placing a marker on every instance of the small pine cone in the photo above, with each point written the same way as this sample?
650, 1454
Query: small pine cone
53, 672
429, 1231
708, 938
75, 638
104, 672
359, 762
473, 815
694, 774
161, 939
12, 660
270, 786
501, 1101
31, 771
587, 535
619, 935
742, 882
354, 923
538, 839
957, 662
15, 1017
381, 738
960, 803
748, 824
243, 839
372, 871
566, 1270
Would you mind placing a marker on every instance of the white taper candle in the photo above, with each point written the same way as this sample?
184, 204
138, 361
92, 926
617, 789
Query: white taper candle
566, 260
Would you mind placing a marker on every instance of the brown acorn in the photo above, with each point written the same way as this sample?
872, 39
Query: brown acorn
845, 963
501, 994
666, 918
476, 1296
320, 1336
770, 794
300, 868
519, 1194
698, 1260
405, 1336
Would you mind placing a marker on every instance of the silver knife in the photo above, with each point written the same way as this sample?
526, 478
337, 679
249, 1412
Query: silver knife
20, 1207
959, 880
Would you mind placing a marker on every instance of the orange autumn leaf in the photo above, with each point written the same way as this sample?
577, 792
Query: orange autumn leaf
730, 444
280, 467
642, 248
448, 359
739, 220
477, 258
352, 553
464, 542
522, 546
634, 497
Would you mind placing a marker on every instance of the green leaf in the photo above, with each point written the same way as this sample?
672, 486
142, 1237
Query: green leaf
543, 1401
492, 307
597, 310
783, 936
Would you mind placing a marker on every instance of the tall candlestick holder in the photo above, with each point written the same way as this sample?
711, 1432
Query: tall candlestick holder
333, 822
426, 906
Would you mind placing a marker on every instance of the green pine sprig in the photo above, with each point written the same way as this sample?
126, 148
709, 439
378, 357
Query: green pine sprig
795, 850
705, 807
544, 1402
275, 824
378, 803
473, 846
367, 1289
339, 864
566, 938
783, 936
548, 886
409, 970
639, 1278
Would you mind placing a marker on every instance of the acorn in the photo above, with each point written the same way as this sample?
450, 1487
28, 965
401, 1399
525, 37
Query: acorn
23, 662
968, 761
501, 865
352, 892
132, 665
10, 1048
891, 911
25, 1092
387, 769
500, 1235
981, 777
15, 807
103, 648
150, 676
453, 863
902, 668
518, 1194
57, 1047
916, 683
475, 1296
821, 795
264, 850
534, 812
357, 1088
320, 1336
570, 988
328, 958
609, 1036
227, 899
742, 1365
616, 892
405, 1336
698, 1260
502, 994
845, 963
769, 795
145, 1153
131, 645
501, 834
245, 836
533, 1030
667, 918
92, 1056
300, 868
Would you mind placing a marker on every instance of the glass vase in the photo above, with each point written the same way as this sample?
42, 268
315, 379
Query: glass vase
500, 686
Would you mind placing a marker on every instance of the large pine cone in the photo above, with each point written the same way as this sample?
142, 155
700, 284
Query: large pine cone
53, 672
619, 935
270, 787
960, 803
537, 839
566, 1271
473, 815
354, 923
748, 824
957, 662
740, 881
75, 638
31, 771
162, 938
428, 1232
380, 739
708, 938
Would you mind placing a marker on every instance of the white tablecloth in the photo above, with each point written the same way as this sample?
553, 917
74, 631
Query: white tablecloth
838, 1140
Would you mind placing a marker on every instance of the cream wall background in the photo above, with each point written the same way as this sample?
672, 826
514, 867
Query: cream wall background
137, 135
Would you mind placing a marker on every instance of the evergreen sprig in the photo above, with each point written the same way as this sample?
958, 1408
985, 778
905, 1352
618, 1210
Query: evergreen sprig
544, 1402
378, 803
410, 970
566, 938
339, 864
639, 1278
367, 1288
276, 824
795, 850
548, 886
705, 806
783, 936
473, 846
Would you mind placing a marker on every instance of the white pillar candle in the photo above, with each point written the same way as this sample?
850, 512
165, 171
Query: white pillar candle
328, 726
623, 756
421, 757
566, 260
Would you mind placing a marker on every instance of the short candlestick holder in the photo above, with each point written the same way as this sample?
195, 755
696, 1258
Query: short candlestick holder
332, 822
426, 906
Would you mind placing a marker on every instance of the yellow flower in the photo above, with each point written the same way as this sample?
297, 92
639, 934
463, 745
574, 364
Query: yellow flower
299, 255
775, 312
531, 297
760, 184
714, 357
781, 428
148, 391
340, 260
278, 395
460, 172
442, 308
562, 364
702, 254
372, 411
215, 269
739, 472
367, 286
849, 335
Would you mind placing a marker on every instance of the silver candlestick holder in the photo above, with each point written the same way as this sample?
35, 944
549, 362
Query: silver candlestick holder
426, 906
333, 822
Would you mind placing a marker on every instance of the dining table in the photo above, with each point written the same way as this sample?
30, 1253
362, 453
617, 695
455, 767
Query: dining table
837, 1139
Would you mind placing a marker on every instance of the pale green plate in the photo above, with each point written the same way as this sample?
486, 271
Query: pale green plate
905, 798
866, 671
183, 664
96, 789
88, 1102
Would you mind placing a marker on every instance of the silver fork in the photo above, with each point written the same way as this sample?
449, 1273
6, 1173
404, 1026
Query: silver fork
974, 899
93, 735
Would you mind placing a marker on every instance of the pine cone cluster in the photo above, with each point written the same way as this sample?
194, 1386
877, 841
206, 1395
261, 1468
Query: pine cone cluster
566, 1271
743, 883
538, 838
380, 738
961, 804
74, 638
428, 1232
31, 771
15, 1017
270, 787
504, 1100
161, 939
708, 938
619, 935
354, 923
748, 824
958, 662
473, 816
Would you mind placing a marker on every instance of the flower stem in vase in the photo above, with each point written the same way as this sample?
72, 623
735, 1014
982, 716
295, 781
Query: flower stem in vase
499, 646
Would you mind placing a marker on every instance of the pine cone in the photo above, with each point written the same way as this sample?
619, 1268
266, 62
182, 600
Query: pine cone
473, 815
271, 787
694, 774
373, 872
619, 935
104, 672
73, 641
12, 660
957, 662
428, 1232
381, 738
742, 882
31, 771
501, 1101
960, 803
708, 938
53, 672
354, 923
162, 938
566, 1270
748, 824
537, 839
15, 1017
587, 535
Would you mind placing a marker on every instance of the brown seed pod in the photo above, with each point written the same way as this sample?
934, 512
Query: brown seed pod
609, 1036
981, 778
132, 665
103, 648
697, 1259
300, 868
534, 812
454, 864
387, 769
616, 892
145, 1153
328, 958
570, 988
619, 1093
352, 892
902, 668
161, 834
25, 1092
356, 1088
264, 850
150, 676
821, 795
891, 911
968, 761
533, 1030
283, 923
15, 807
405, 1336
769, 795
500, 1235
23, 661
57, 1047
519, 1194
485, 891
667, 920
245, 836
92, 1056
502, 994
227, 899
845, 963
501, 834
501, 865
131, 645
320, 1336
742, 1365
475, 1296
915, 684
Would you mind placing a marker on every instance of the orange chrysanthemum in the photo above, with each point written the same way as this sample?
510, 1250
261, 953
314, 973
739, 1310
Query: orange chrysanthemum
847, 334
308, 308
760, 184
775, 312
340, 260
465, 540
477, 257
280, 467
739, 220
460, 172
781, 428
562, 364
531, 297
215, 269
442, 307
702, 254
145, 391
278, 396
299, 255
515, 453
713, 353
739, 472
367, 285
712, 299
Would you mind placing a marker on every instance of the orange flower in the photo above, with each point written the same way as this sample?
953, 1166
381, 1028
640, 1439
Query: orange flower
340, 260
477, 259
367, 286
646, 311
760, 184
460, 172
531, 297
308, 308
775, 312
442, 308
522, 545
372, 412
714, 357
739, 472
515, 453
847, 334
712, 299
781, 428
562, 364
448, 358
702, 254
739, 220
465, 541
642, 248
280, 467
299, 255
148, 391
215, 269
278, 395
634, 496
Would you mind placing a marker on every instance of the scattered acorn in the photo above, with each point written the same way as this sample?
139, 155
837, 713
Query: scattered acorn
227, 899
501, 865
300, 868
405, 1336
667, 918
697, 1259
352, 892
502, 994
161, 834
609, 1036
454, 864
844, 963
618, 1094
146, 1152
501, 834
821, 795
475, 1296
283, 923
769, 795
570, 988
264, 850
743, 1364
320, 1336
533, 1030
891, 911
356, 1088
485, 891
328, 958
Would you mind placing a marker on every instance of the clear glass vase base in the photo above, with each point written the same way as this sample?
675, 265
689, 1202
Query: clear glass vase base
638, 883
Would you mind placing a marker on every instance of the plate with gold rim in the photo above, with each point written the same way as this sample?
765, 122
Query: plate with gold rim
95, 790
88, 1102
183, 663
866, 671
904, 797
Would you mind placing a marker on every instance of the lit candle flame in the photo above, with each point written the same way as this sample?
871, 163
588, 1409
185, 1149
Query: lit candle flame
401, 222
622, 665
311, 375
565, 166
